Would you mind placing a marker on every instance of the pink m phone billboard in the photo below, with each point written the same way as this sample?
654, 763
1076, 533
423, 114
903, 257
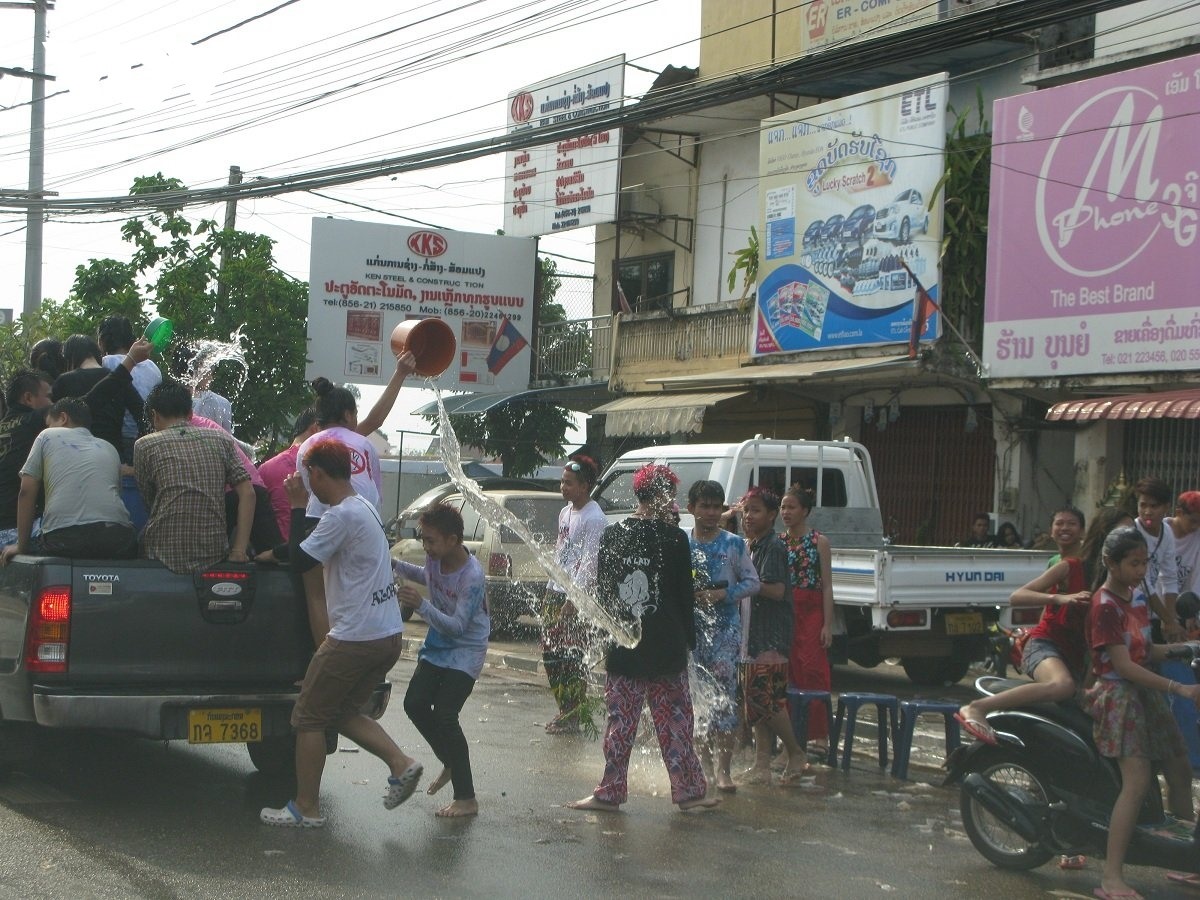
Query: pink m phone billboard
1092, 266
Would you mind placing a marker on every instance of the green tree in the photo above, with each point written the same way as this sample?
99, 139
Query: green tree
209, 282
522, 434
966, 185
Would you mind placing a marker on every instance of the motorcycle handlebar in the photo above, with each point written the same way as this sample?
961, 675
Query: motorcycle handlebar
1190, 650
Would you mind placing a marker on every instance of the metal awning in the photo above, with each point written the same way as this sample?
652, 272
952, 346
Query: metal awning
817, 369
1163, 405
579, 397
660, 413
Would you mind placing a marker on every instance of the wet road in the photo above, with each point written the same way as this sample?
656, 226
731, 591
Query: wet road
106, 817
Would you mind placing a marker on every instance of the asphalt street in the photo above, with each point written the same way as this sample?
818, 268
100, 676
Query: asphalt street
103, 816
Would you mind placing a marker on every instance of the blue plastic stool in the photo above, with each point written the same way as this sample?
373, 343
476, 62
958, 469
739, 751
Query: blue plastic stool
910, 710
887, 710
799, 701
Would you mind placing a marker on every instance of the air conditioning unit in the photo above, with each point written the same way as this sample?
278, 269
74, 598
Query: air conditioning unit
640, 202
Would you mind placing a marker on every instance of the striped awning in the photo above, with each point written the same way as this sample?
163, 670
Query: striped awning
1164, 405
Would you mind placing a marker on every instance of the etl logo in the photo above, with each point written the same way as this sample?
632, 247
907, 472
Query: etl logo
522, 107
427, 243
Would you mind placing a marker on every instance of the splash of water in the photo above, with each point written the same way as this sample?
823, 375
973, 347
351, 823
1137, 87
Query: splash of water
627, 634
208, 353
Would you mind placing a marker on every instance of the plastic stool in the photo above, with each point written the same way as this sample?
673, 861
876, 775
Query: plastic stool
887, 709
798, 705
909, 711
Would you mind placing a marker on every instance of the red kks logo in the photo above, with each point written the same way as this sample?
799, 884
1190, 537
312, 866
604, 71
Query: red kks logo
427, 243
522, 108
817, 15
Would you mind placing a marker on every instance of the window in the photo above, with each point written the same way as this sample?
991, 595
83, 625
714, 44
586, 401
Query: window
833, 483
647, 280
540, 516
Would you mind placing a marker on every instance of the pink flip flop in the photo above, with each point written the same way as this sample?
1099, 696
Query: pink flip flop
981, 731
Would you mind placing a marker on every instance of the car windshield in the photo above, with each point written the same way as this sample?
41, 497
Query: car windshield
540, 515
615, 493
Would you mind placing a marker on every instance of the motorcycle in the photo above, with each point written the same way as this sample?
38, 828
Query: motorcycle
1043, 790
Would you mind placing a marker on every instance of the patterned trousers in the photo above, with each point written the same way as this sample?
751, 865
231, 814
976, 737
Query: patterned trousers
671, 710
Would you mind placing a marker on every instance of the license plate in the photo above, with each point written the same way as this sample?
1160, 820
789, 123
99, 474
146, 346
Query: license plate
224, 726
964, 623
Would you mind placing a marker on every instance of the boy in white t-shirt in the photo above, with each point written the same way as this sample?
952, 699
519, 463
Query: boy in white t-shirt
363, 642
1185, 526
1162, 577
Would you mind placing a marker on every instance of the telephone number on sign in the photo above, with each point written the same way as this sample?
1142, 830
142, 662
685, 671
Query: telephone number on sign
483, 314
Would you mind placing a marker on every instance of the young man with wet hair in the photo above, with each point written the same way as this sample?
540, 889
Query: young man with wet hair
80, 475
1162, 575
364, 636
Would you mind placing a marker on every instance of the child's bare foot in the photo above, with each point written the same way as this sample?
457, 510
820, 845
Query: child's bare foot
440, 782
725, 783
699, 803
755, 775
590, 802
459, 809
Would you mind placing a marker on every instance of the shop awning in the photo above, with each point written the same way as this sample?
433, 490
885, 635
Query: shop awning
1163, 405
660, 413
817, 369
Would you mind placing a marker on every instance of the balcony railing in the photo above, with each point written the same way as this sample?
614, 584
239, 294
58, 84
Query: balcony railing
701, 338
574, 351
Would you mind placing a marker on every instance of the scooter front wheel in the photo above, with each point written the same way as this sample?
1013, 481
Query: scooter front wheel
1008, 770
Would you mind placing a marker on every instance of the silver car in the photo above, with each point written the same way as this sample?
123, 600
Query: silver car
899, 219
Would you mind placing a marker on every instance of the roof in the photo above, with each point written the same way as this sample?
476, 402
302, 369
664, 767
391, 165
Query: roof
1162, 405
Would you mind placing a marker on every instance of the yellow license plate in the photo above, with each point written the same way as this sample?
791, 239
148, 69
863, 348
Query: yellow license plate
964, 623
224, 726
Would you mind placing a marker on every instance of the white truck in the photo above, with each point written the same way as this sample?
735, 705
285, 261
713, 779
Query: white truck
930, 606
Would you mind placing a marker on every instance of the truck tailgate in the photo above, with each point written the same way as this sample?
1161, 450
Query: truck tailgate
136, 623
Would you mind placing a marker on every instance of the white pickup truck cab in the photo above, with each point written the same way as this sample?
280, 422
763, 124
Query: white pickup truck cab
929, 606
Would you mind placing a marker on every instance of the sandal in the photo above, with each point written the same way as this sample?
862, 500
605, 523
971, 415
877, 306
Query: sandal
290, 817
402, 787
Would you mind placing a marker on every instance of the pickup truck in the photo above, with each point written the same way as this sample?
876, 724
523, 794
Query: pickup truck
133, 648
930, 606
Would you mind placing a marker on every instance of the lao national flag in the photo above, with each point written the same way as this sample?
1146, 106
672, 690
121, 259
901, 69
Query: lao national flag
508, 343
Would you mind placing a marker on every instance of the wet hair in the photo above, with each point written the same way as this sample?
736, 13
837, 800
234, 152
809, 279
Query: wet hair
75, 409
444, 518
1093, 543
332, 402
303, 422
583, 466
1189, 502
78, 349
25, 381
170, 399
765, 496
804, 496
331, 457
1069, 511
1120, 542
706, 490
115, 334
653, 481
1008, 527
47, 356
1154, 488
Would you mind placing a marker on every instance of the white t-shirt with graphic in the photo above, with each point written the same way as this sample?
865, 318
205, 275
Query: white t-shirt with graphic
578, 544
365, 475
359, 589
1187, 559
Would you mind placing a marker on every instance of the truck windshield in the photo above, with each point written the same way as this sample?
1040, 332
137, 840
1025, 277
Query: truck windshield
615, 493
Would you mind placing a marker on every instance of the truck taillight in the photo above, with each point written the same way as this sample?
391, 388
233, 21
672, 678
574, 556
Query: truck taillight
499, 564
49, 630
911, 618
1026, 615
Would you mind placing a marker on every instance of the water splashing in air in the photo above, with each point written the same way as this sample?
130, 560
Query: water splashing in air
625, 633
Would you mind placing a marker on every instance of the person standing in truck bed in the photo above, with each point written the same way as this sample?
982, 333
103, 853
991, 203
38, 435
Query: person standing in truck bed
182, 471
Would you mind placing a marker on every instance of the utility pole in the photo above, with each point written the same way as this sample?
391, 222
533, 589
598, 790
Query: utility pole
37, 152
235, 177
